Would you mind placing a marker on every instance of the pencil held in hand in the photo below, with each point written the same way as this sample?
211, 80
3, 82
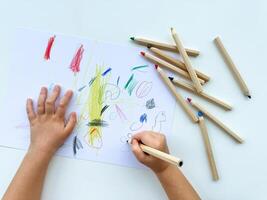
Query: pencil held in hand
159, 154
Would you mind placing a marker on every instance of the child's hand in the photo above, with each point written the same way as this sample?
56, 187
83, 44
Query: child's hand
48, 128
154, 140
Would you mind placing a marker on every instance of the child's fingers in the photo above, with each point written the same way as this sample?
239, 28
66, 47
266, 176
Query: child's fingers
63, 104
144, 137
41, 101
139, 154
50, 102
30, 112
70, 124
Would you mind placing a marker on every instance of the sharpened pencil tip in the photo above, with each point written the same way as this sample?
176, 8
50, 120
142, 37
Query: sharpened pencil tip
132, 38
181, 164
142, 53
189, 100
200, 114
156, 66
249, 96
149, 46
171, 78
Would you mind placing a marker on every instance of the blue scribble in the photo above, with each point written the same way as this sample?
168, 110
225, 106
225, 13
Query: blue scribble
107, 71
143, 118
81, 88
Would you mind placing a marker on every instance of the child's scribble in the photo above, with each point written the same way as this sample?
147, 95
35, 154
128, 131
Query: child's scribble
130, 84
143, 89
75, 63
107, 71
104, 109
49, 47
139, 68
159, 119
76, 145
150, 104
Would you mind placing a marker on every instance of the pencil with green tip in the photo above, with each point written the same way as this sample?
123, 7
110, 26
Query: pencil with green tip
164, 46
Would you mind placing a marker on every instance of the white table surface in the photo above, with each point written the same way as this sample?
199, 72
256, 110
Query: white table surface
242, 168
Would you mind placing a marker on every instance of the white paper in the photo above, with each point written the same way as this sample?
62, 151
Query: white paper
29, 71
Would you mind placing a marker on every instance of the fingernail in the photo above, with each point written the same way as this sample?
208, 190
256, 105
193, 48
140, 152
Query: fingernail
57, 87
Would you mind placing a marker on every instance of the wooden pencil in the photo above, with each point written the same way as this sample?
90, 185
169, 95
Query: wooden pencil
167, 65
164, 46
216, 121
208, 148
176, 62
232, 66
190, 88
187, 61
161, 155
178, 97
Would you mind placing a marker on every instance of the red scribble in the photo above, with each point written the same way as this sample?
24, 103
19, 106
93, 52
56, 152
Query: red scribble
75, 63
49, 47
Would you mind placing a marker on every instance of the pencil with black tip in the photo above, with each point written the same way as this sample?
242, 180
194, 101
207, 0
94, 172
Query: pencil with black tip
190, 88
176, 62
164, 46
178, 97
208, 147
187, 61
216, 121
232, 67
159, 154
167, 65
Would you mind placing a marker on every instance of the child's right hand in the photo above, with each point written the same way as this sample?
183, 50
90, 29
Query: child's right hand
154, 140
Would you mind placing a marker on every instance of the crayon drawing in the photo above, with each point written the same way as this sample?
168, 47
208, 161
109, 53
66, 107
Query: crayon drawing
115, 95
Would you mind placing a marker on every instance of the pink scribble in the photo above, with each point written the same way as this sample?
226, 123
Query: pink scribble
49, 47
120, 113
75, 63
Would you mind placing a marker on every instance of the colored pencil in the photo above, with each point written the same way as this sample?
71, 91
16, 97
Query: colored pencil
216, 121
177, 62
187, 61
164, 46
167, 65
208, 148
161, 155
190, 88
178, 97
232, 66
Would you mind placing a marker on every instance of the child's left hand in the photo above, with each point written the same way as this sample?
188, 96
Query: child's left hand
48, 128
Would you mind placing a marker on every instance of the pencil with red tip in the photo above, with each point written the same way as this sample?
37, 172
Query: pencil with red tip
168, 66
178, 97
216, 121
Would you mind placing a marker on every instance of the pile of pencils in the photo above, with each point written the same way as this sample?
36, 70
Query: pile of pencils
194, 84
